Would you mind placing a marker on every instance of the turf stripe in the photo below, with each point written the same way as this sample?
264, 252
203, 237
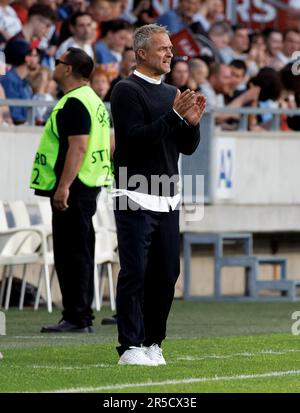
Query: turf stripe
184, 358
244, 354
182, 381
101, 365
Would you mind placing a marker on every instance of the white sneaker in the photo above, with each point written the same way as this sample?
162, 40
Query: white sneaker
154, 353
136, 356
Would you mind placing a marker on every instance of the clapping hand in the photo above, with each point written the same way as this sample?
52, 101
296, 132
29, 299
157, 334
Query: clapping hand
195, 113
183, 101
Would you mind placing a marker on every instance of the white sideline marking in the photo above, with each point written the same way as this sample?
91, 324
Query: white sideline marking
182, 381
54, 337
101, 365
186, 358
245, 354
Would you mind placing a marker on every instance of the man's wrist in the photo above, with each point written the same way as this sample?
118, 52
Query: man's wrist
187, 122
63, 187
182, 118
178, 114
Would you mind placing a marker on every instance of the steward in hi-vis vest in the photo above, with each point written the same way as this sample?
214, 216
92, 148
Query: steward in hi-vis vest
95, 170
71, 165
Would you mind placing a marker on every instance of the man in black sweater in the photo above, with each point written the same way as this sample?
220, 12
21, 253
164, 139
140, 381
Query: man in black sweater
154, 123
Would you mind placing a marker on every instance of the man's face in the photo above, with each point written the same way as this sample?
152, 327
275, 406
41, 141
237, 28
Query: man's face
237, 77
101, 11
116, 10
41, 26
117, 41
128, 62
241, 40
275, 43
61, 70
83, 29
215, 8
200, 73
189, 7
157, 57
180, 74
222, 83
220, 40
100, 84
291, 43
33, 60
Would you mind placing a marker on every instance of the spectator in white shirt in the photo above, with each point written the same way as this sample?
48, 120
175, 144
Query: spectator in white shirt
10, 23
291, 44
219, 84
198, 73
220, 34
274, 41
82, 29
238, 46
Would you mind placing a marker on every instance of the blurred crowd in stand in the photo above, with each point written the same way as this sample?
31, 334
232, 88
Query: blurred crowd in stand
235, 66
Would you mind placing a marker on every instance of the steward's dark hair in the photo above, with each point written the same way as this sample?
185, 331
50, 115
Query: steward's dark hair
82, 64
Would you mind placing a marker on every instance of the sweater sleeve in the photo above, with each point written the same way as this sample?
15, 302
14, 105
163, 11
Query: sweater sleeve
129, 118
187, 138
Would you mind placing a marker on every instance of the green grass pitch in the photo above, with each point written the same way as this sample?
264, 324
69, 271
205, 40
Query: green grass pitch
211, 347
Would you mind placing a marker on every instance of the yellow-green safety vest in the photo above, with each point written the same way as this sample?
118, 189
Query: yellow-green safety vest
96, 168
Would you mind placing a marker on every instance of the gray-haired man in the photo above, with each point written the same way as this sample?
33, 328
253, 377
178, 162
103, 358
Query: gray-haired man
154, 123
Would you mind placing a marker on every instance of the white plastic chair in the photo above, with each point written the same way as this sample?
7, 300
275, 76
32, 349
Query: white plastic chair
105, 250
105, 246
22, 219
17, 248
104, 258
45, 257
46, 215
10, 242
46, 218
105, 215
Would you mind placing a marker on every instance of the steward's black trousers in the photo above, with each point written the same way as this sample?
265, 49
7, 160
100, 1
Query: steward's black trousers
149, 257
74, 247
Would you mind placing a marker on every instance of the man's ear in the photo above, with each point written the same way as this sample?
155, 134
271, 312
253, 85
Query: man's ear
142, 54
69, 69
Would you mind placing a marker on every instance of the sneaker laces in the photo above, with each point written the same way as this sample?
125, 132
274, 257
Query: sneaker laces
156, 349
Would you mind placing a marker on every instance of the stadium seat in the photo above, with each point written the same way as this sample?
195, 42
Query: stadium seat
46, 223
105, 249
44, 256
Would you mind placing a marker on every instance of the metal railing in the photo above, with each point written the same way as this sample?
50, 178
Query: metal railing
28, 103
245, 112
32, 105
242, 112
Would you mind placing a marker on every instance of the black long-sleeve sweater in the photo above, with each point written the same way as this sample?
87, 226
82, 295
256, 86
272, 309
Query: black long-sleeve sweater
149, 135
